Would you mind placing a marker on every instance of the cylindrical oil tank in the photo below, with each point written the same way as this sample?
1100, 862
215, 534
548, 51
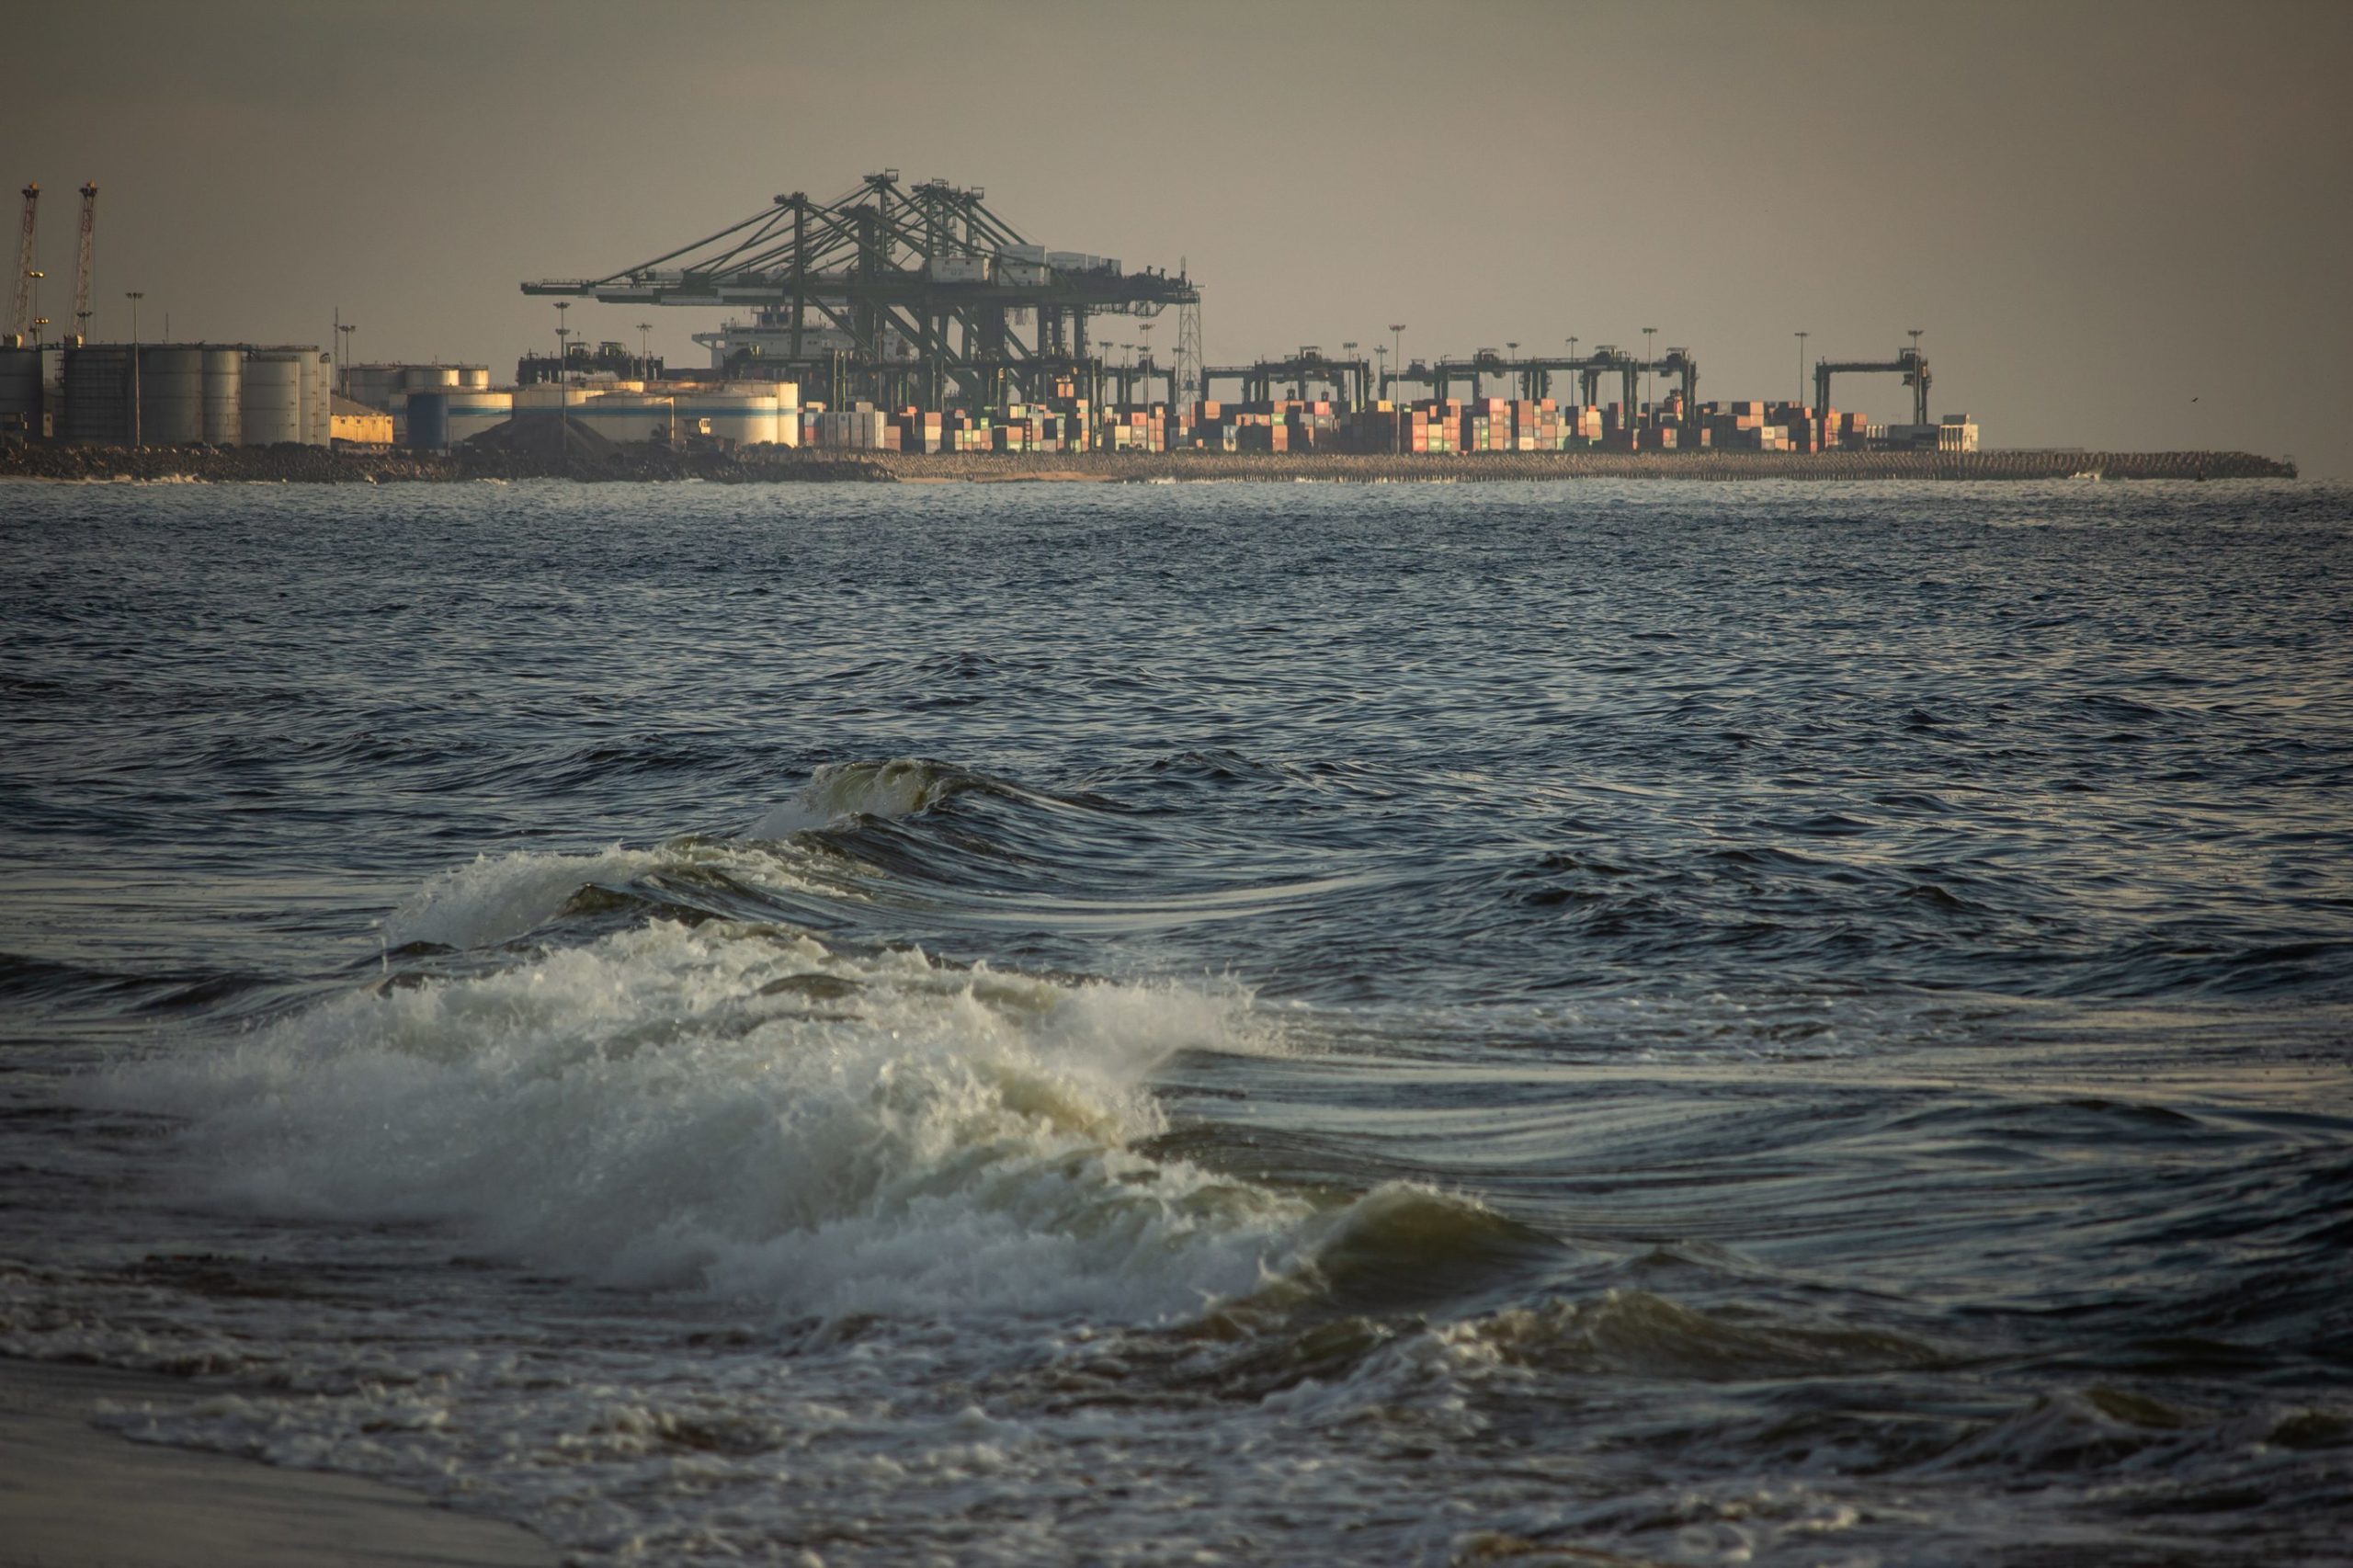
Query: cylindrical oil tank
474, 410
318, 397
428, 378
627, 416
428, 419
544, 396
97, 396
747, 418
788, 414
171, 395
271, 398
373, 385
474, 378
20, 388
223, 375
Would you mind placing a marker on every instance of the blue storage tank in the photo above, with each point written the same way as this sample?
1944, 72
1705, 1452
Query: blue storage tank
428, 421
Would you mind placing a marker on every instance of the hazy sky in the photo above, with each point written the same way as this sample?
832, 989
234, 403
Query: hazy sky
2097, 214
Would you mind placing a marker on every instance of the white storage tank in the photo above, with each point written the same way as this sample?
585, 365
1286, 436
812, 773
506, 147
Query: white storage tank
628, 416
474, 378
747, 418
171, 396
270, 398
223, 375
373, 385
786, 396
547, 396
318, 398
474, 410
428, 378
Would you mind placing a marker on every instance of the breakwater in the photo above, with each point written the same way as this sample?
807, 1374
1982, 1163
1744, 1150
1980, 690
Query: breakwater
606, 463
1448, 468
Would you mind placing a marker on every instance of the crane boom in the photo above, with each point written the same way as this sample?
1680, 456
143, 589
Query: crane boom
20, 320
86, 262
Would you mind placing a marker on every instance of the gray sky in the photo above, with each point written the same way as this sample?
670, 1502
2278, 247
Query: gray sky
2096, 212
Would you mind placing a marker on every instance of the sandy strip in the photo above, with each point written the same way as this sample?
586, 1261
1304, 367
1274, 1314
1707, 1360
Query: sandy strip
73, 1496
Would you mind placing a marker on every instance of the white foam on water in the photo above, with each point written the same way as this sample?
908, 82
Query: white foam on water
737, 1110
897, 788
495, 898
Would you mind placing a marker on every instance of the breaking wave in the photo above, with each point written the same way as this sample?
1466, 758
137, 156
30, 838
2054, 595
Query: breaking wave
740, 1109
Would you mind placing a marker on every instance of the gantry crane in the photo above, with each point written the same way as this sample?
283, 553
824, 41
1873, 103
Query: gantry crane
20, 320
928, 266
1309, 367
1907, 361
86, 262
1535, 375
1126, 378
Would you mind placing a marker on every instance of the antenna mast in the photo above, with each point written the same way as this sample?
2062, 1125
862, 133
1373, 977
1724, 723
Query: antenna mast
87, 265
20, 321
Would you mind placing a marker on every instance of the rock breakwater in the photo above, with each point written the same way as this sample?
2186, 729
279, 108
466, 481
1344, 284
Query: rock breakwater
603, 461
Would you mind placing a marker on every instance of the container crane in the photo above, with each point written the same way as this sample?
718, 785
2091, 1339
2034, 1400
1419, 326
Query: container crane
85, 263
1535, 374
1907, 362
20, 320
928, 267
1308, 366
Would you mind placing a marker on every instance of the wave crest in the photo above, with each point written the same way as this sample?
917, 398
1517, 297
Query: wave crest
741, 1109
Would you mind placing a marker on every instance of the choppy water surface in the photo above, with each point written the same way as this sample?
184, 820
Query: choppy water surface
1260, 1024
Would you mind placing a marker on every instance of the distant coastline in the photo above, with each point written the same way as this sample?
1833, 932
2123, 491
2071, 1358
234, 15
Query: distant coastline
313, 465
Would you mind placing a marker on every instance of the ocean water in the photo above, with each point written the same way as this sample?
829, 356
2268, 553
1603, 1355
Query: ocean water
1256, 1024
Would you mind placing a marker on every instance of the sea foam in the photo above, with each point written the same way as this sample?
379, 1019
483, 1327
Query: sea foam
738, 1110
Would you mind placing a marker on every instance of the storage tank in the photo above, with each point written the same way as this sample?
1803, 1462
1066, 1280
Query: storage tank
223, 375
428, 378
628, 416
20, 388
271, 399
97, 396
428, 419
373, 385
474, 378
787, 422
747, 418
318, 397
171, 396
547, 396
474, 410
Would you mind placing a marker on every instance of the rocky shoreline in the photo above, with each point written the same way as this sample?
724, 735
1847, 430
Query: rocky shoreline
306, 465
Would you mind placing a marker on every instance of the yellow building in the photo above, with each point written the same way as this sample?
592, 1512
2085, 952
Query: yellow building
353, 423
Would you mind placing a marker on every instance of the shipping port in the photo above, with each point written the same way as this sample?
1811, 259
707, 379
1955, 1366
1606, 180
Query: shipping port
914, 320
